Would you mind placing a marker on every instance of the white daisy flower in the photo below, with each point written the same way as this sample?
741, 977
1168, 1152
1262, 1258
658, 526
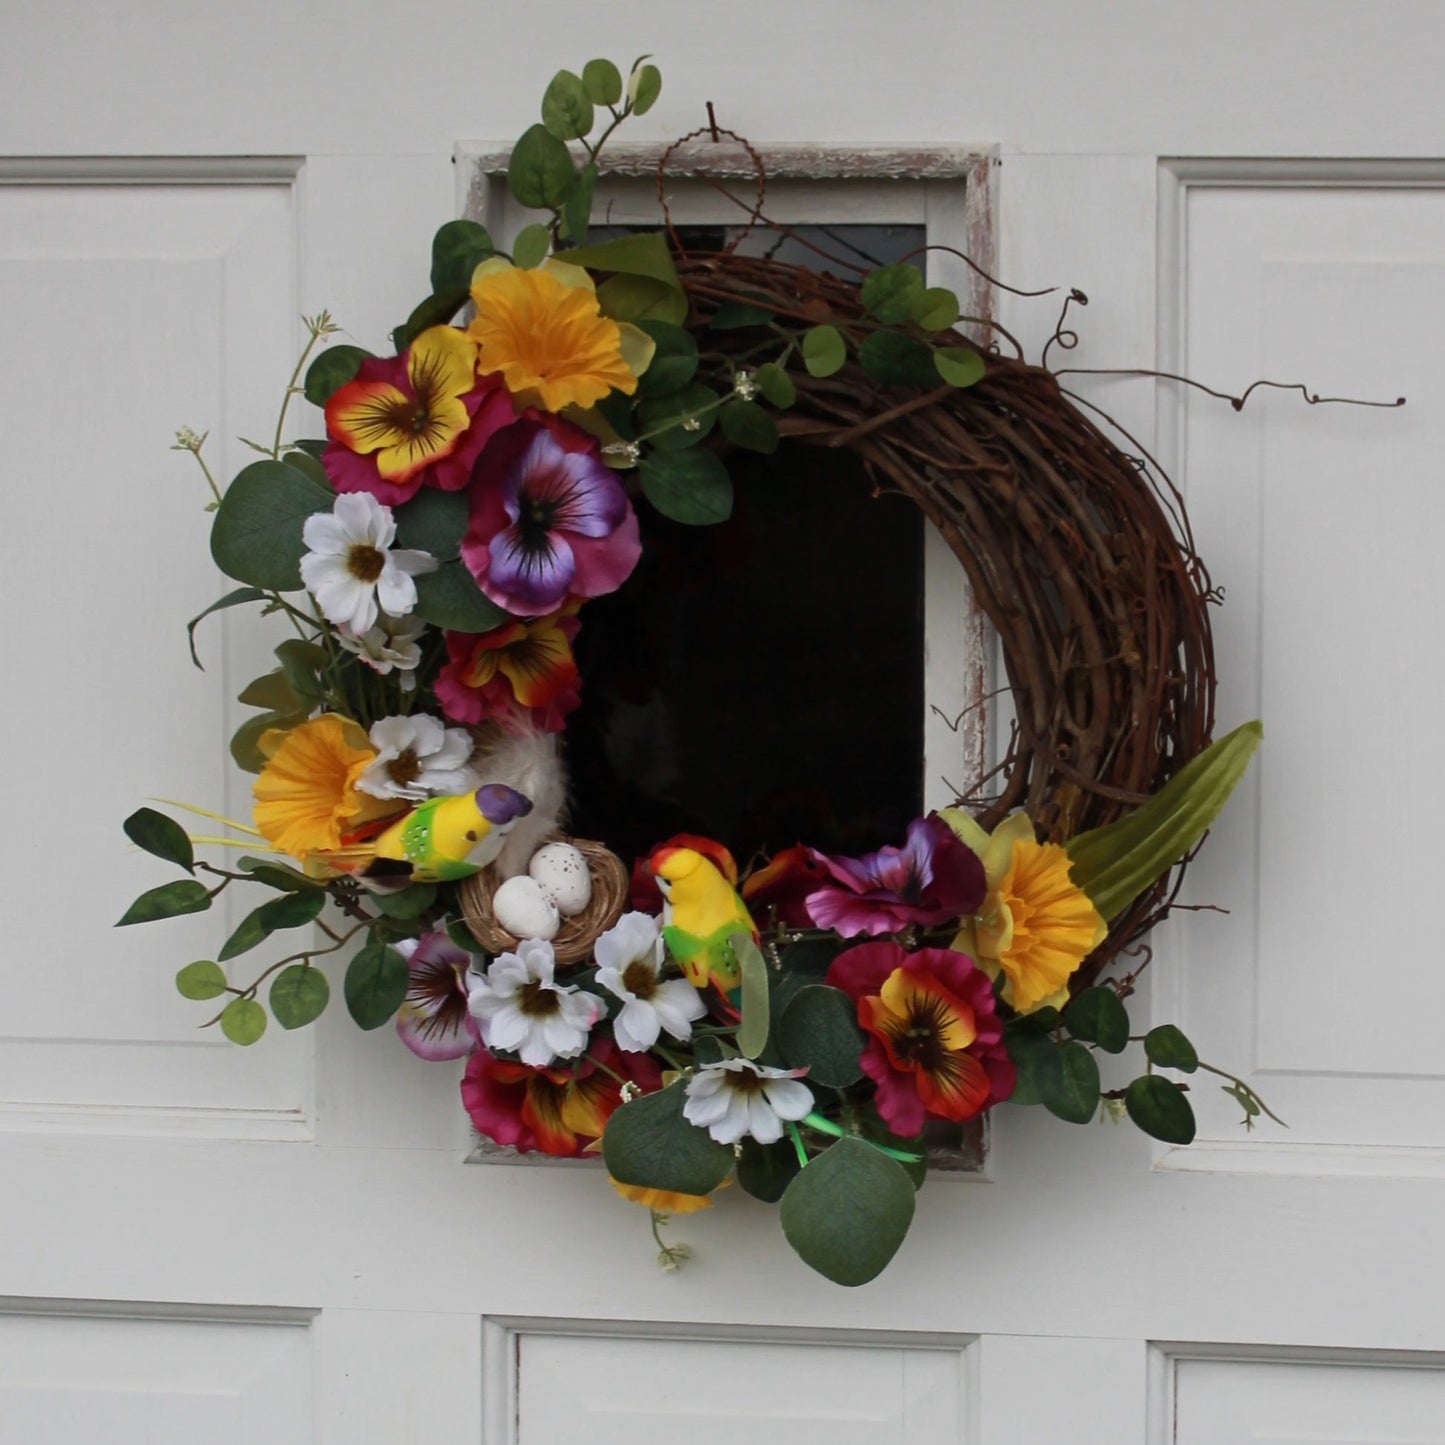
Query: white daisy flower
352, 564
394, 643
520, 1009
628, 957
737, 1097
417, 758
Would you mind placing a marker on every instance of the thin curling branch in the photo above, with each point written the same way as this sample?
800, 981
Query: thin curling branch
1313, 398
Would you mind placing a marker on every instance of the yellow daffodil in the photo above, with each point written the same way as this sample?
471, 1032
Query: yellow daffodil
543, 330
1036, 926
306, 795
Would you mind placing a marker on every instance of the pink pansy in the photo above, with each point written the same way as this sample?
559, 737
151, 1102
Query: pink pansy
549, 518
433, 1022
933, 878
935, 1045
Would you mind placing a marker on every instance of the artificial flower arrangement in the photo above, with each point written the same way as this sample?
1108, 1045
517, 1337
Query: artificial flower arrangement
795, 1028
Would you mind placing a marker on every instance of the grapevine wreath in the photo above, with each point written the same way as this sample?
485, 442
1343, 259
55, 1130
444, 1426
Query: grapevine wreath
795, 1024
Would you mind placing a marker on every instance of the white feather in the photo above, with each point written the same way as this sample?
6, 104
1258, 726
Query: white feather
531, 762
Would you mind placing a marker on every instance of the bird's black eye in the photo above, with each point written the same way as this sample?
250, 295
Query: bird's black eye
471, 837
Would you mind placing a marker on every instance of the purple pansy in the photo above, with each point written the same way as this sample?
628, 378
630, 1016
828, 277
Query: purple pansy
433, 1021
549, 519
933, 878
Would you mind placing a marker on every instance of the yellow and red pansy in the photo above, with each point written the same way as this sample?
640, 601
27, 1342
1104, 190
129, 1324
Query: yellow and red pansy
523, 670
417, 419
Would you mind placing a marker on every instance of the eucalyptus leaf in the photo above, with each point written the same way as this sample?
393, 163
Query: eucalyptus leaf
649, 1143
299, 995
161, 836
673, 364
847, 1212
1168, 1048
1040, 1069
531, 246
376, 983
747, 425
308, 465
331, 370
603, 82
168, 901
457, 249
824, 351
256, 535
433, 521
1116, 863
541, 170
450, 598
752, 1036
818, 1030
766, 1170
1160, 1109
775, 384
566, 107
232, 599
1076, 1100
201, 980
896, 359
959, 365
691, 487
888, 293
243, 1021
1098, 1016
669, 417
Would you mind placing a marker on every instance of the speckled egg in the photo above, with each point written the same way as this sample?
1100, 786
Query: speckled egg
561, 870
524, 910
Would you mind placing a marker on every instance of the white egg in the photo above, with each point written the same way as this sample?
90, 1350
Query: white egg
561, 870
521, 907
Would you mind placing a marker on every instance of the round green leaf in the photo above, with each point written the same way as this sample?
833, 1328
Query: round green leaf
450, 598
959, 365
818, 1030
1167, 1048
602, 81
766, 1170
436, 310
201, 980
1160, 1109
256, 535
935, 309
649, 1143
376, 984
747, 425
167, 901
824, 350
896, 359
643, 88
1077, 1098
888, 293
691, 487
161, 836
669, 417
457, 249
776, 384
299, 995
541, 169
433, 521
531, 246
331, 370
305, 462
673, 364
1097, 1016
1040, 1070
848, 1211
243, 1021
566, 106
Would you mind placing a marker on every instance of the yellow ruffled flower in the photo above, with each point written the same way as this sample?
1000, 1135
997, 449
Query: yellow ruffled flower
306, 795
543, 330
664, 1201
1036, 925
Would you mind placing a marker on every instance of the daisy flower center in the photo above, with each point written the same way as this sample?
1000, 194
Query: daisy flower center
744, 1081
405, 767
639, 980
365, 562
536, 999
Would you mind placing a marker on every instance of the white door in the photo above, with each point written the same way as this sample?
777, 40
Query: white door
285, 1243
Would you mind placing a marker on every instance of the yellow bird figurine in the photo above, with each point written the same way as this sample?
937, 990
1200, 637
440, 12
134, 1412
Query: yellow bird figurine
451, 837
702, 909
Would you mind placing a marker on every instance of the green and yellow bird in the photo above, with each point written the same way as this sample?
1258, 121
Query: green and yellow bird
703, 910
451, 837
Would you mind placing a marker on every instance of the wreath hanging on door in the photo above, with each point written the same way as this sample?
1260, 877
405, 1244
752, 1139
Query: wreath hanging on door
795, 1025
